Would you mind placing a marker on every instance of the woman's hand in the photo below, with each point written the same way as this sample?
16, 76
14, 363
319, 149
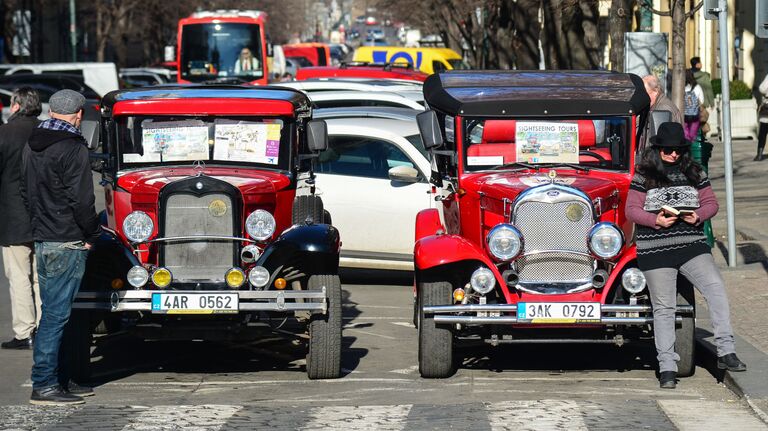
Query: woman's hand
691, 218
665, 220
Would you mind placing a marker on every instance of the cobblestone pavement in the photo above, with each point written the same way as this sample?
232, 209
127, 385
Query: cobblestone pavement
544, 414
748, 282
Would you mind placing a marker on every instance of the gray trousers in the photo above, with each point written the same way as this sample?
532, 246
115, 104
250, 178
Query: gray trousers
702, 272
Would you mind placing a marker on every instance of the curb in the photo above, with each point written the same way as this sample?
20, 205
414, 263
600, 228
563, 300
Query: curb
750, 384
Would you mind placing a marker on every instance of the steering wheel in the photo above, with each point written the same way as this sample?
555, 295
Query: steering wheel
598, 156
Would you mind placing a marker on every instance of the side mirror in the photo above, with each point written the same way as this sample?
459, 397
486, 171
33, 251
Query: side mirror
90, 131
404, 174
317, 135
656, 118
429, 128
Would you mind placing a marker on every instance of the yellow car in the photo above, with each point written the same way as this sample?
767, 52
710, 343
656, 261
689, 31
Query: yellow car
427, 60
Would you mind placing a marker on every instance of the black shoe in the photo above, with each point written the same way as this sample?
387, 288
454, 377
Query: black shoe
15, 343
79, 390
667, 380
731, 362
54, 396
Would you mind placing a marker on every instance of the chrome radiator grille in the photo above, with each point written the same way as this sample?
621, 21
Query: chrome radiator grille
547, 226
206, 260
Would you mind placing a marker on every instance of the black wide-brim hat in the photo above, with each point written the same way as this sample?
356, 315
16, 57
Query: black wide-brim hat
670, 134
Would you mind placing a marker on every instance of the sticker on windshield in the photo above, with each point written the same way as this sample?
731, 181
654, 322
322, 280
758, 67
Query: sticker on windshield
485, 160
250, 142
543, 142
167, 144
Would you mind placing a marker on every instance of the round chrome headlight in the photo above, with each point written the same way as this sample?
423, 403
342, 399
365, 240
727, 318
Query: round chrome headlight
138, 226
259, 276
605, 240
137, 276
260, 225
505, 242
633, 280
482, 281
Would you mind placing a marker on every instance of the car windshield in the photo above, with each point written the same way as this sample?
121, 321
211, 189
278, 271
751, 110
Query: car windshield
459, 64
220, 50
602, 143
144, 140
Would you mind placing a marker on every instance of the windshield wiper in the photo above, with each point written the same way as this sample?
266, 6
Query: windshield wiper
570, 165
515, 164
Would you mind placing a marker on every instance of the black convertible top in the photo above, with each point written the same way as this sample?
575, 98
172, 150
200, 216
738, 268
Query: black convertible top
535, 93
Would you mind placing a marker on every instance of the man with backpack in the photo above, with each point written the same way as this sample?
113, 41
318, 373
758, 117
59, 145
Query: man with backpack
694, 97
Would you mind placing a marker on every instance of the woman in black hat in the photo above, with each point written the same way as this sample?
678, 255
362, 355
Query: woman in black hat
669, 243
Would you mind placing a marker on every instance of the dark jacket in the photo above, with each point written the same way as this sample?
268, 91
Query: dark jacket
14, 228
58, 187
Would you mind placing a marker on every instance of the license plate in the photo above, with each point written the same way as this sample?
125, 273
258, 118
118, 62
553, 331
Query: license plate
558, 312
194, 303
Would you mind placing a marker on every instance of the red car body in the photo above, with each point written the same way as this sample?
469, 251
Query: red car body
362, 71
534, 230
319, 54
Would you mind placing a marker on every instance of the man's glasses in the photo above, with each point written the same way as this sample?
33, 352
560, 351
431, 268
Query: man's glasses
679, 150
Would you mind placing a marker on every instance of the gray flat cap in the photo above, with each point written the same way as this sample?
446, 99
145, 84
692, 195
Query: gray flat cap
66, 102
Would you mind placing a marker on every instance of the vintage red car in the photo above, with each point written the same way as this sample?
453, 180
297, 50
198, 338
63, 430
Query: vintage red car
356, 70
212, 228
531, 243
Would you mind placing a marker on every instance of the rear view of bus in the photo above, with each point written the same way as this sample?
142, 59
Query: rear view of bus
223, 47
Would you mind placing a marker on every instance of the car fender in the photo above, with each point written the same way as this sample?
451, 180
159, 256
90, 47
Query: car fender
437, 250
108, 259
313, 248
428, 223
628, 259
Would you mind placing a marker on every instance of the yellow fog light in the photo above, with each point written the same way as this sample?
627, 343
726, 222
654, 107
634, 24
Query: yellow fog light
235, 278
458, 295
161, 277
280, 283
117, 284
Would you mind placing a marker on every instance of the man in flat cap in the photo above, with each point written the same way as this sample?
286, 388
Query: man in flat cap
58, 191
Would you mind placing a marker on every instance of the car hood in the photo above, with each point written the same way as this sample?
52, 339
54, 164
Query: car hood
509, 184
147, 183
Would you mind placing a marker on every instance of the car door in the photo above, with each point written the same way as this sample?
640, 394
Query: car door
375, 215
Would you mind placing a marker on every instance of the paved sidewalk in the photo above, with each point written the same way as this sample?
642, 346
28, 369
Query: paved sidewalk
747, 282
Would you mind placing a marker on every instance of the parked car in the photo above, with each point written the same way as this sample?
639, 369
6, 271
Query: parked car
145, 76
533, 247
336, 99
363, 70
410, 90
47, 84
375, 169
206, 236
101, 77
5, 102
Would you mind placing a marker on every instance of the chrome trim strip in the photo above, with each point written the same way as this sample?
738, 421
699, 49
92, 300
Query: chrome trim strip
196, 237
512, 308
242, 294
245, 306
535, 252
506, 320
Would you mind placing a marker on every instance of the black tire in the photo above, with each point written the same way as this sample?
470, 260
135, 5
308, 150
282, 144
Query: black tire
685, 335
306, 207
435, 342
324, 353
327, 217
76, 346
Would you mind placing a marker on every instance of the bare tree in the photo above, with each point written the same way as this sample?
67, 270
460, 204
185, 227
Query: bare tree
620, 20
677, 11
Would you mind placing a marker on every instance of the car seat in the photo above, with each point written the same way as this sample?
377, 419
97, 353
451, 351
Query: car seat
498, 141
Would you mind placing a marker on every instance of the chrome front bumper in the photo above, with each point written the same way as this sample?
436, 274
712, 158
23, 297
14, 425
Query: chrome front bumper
482, 314
249, 300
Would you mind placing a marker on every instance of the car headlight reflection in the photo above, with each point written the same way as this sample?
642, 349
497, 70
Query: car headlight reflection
138, 226
505, 242
259, 276
137, 276
260, 225
633, 280
482, 281
605, 240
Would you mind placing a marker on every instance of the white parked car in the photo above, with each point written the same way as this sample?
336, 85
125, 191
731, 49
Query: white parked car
409, 89
336, 99
374, 179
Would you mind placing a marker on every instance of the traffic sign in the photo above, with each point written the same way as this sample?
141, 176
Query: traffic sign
711, 8
761, 18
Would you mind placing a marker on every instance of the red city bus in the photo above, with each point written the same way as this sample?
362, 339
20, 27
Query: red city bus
223, 47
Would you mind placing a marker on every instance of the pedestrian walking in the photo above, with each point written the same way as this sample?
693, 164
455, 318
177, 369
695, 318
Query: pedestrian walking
705, 81
58, 189
694, 96
762, 119
659, 102
15, 231
668, 245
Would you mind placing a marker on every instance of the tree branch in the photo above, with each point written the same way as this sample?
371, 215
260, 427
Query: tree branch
693, 11
647, 4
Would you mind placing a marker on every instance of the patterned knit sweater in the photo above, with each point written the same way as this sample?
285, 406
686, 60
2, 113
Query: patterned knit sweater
670, 247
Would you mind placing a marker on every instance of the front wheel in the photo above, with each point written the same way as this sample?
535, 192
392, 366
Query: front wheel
306, 208
324, 355
435, 342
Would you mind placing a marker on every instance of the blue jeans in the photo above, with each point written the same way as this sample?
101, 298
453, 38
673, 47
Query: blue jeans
60, 268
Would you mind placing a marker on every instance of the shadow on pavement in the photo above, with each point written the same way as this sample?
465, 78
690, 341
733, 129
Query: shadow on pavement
376, 276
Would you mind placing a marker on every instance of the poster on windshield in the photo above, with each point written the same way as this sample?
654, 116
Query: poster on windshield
547, 142
248, 142
168, 144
